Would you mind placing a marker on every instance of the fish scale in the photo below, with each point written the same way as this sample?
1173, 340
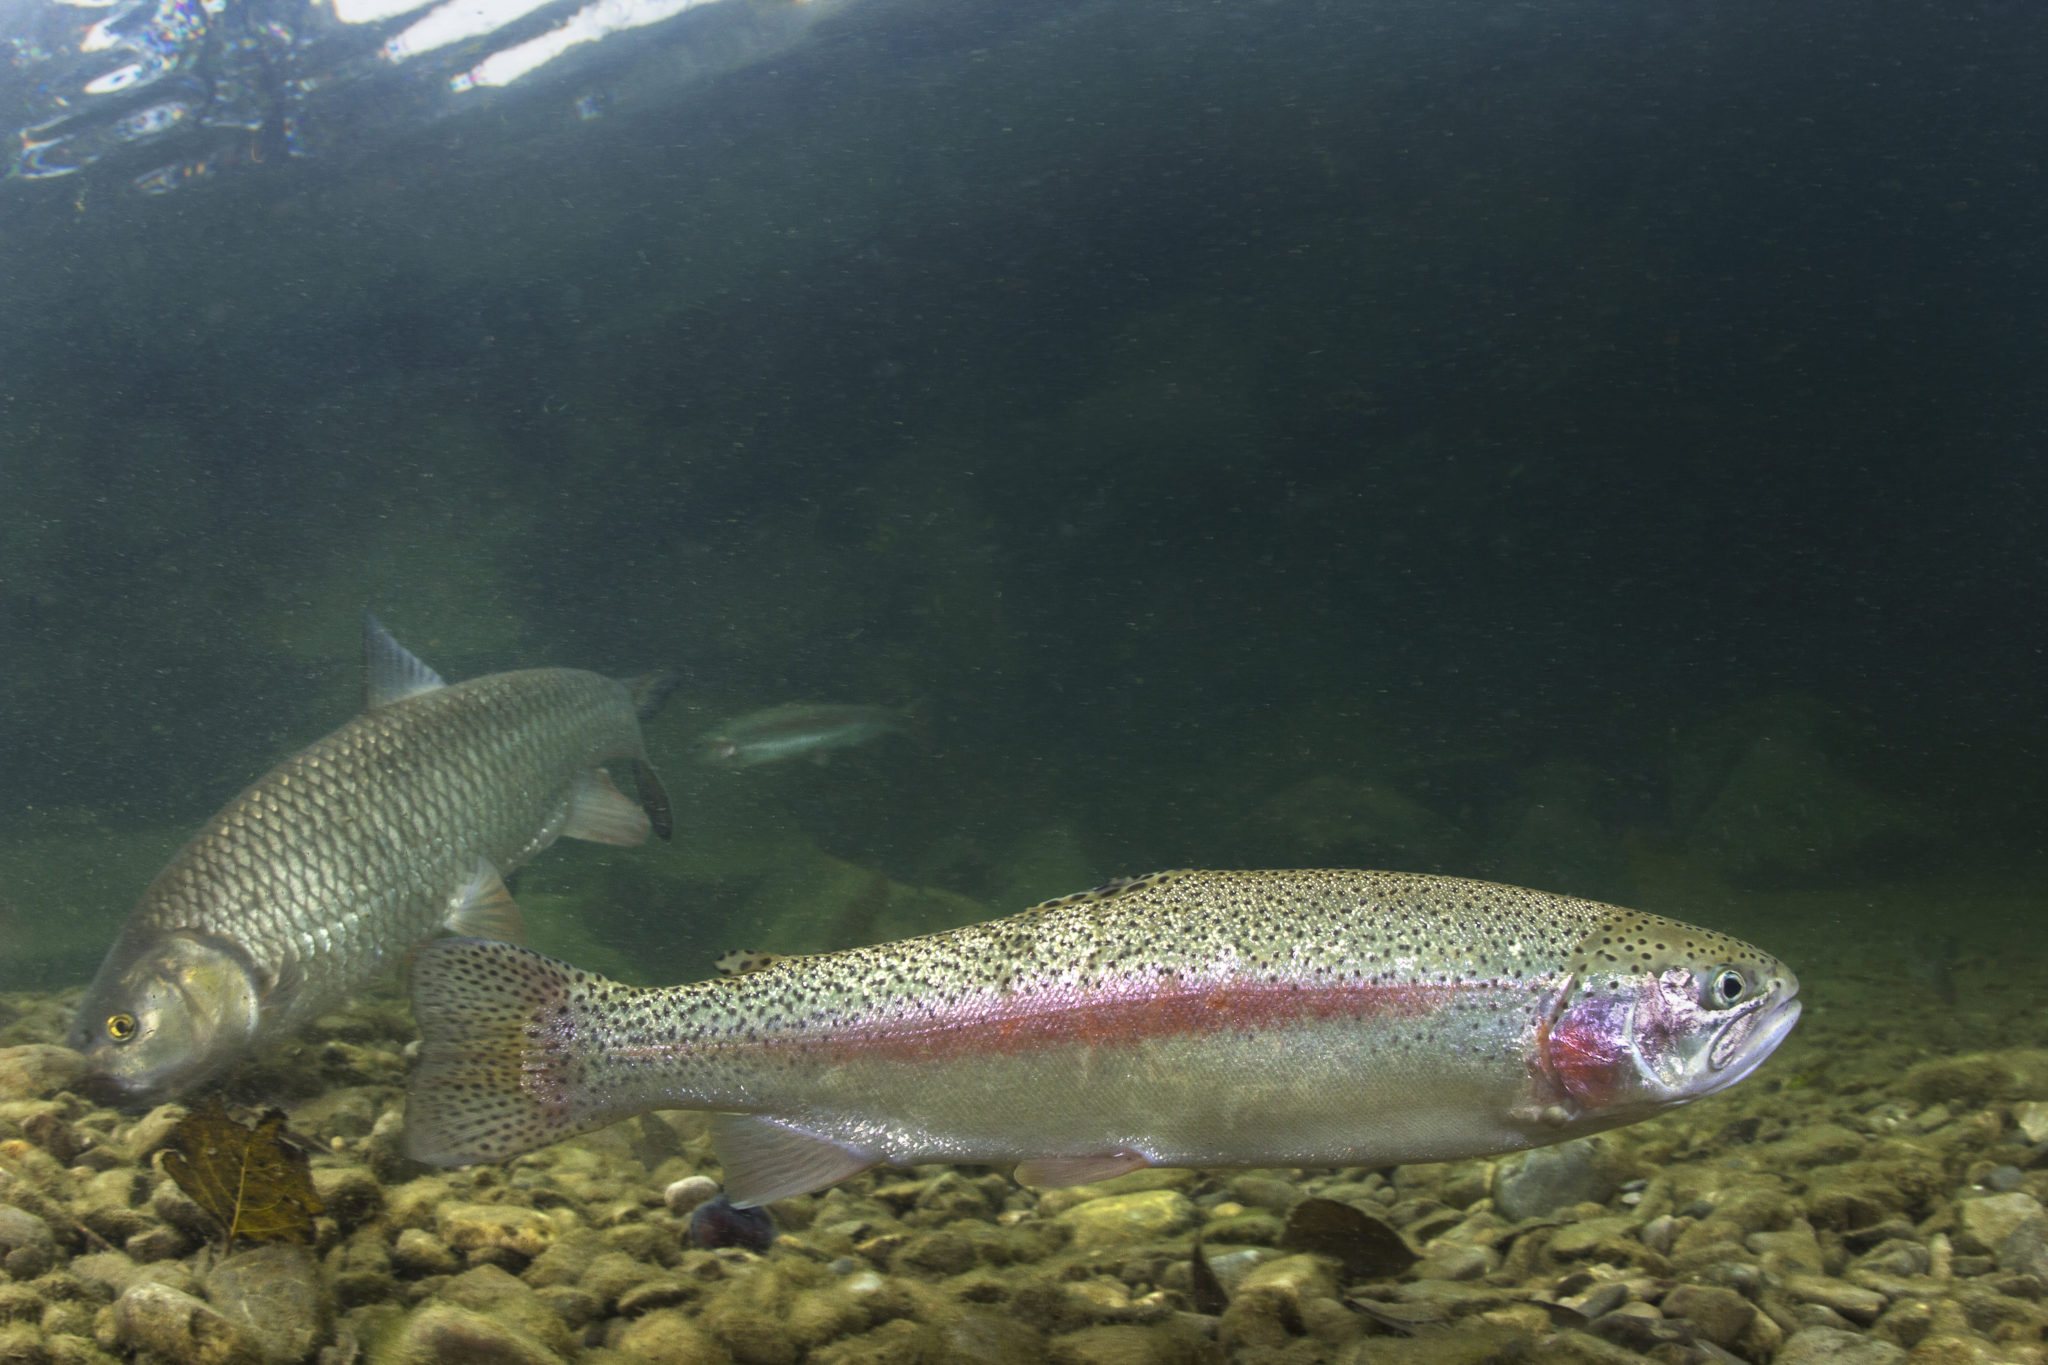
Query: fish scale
1186, 1018
345, 856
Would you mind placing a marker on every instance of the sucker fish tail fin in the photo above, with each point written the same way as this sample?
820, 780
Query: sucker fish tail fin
500, 1068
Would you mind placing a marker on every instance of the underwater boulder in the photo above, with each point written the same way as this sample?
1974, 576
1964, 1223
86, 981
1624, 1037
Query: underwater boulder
816, 902
1766, 802
1334, 821
1553, 838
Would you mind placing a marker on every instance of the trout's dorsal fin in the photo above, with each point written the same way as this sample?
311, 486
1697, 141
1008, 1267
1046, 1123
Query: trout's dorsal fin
482, 908
766, 1159
390, 672
740, 961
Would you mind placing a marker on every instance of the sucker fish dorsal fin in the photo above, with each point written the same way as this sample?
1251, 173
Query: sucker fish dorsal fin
390, 672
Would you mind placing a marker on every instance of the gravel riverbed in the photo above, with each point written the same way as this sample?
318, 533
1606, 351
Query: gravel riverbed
1863, 1200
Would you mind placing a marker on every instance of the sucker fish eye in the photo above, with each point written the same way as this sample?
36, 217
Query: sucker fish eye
121, 1027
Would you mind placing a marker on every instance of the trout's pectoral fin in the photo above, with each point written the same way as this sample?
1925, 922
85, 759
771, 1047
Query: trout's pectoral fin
601, 813
390, 672
1053, 1172
482, 908
766, 1159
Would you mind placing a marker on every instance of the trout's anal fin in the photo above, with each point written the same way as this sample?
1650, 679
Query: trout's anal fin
601, 813
390, 672
766, 1159
1053, 1172
482, 908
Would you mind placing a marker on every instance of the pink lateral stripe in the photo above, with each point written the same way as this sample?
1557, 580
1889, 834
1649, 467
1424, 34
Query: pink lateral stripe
1139, 1010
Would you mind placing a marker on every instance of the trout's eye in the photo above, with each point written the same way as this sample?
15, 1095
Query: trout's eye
120, 1027
1727, 987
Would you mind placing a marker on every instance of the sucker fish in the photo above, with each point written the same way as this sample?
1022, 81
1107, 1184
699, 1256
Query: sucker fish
800, 730
348, 854
1317, 1018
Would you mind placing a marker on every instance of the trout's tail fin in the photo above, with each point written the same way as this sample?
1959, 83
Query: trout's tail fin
508, 1059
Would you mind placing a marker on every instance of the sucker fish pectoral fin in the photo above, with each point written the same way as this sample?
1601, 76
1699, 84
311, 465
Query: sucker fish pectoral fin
390, 671
766, 1159
1055, 1172
483, 908
285, 985
602, 814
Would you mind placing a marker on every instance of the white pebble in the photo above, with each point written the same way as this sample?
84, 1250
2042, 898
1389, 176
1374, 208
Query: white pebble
688, 1193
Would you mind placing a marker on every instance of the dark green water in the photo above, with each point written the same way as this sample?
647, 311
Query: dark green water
1593, 445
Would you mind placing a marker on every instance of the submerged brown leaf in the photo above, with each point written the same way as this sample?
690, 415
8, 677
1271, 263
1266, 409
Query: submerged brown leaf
1367, 1247
257, 1185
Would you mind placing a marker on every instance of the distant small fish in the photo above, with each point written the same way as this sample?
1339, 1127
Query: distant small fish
802, 730
1183, 1019
345, 856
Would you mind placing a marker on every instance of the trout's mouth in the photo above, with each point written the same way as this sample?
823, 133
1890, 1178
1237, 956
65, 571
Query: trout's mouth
1738, 1052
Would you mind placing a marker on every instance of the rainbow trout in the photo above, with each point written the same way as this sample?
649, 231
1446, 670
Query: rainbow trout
1180, 1019
353, 850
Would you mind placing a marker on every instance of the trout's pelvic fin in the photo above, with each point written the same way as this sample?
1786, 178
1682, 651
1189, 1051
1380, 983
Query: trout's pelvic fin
390, 672
1053, 1172
601, 813
482, 908
766, 1159
484, 1089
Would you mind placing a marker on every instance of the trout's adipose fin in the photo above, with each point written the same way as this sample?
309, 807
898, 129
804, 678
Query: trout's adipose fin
741, 961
